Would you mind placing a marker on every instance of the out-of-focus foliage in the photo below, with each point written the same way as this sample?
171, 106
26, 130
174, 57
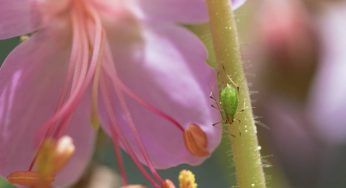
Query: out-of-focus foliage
5, 184
6, 47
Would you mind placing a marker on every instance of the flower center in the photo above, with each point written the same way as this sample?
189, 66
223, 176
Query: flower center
86, 52
91, 65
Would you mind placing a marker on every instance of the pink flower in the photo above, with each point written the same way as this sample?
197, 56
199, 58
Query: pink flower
327, 103
125, 65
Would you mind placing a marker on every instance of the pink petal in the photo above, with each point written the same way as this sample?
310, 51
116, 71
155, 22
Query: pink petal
170, 74
237, 3
327, 101
31, 81
180, 11
17, 17
83, 138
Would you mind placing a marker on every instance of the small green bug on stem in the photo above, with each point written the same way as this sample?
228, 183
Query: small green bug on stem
228, 102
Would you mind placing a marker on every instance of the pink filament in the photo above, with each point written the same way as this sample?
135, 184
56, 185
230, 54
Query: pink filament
116, 133
110, 69
149, 106
71, 104
84, 70
120, 161
83, 74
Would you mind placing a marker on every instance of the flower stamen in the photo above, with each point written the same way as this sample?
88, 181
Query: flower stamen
51, 158
94, 62
196, 141
118, 138
113, 75
87, 47
30, 179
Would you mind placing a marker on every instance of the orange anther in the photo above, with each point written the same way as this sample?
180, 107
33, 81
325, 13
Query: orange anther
167, 184
196, 140
52, 156
30, 179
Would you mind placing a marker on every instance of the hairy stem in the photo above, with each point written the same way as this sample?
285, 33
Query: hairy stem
242, 132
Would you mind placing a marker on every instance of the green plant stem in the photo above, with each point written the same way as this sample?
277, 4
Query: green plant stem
242, 132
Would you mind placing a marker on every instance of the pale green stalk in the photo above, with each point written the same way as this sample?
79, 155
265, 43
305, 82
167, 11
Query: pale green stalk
242, 132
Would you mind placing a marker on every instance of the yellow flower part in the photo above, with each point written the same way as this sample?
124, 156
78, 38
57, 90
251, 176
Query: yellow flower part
52, 156
187, 179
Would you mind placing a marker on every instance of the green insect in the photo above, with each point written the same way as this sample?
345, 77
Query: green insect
229, 102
